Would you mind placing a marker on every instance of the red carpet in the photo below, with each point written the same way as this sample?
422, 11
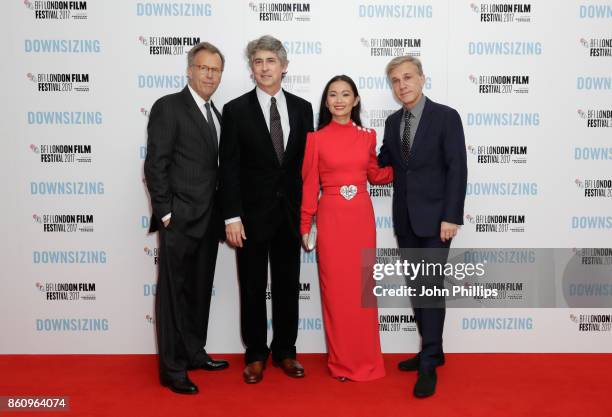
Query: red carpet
491, 385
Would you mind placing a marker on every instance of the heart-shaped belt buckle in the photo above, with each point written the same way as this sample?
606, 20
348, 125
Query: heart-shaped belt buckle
348, 191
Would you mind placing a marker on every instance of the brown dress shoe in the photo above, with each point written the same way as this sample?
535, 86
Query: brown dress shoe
253, 373
290, 367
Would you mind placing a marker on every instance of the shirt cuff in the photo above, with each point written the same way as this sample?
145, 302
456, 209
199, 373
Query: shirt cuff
166, 217
232, 220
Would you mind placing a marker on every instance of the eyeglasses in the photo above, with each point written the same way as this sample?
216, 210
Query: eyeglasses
203, 70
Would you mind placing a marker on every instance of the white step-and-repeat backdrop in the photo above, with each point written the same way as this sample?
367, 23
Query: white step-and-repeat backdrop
531, 80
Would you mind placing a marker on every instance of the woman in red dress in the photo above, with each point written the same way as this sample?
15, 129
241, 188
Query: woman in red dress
340, 158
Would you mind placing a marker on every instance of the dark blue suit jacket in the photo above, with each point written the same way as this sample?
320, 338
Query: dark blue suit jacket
430, 188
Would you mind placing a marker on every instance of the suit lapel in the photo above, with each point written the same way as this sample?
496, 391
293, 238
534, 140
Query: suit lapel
396, 139
291, 140
218, 116
198, 118
193, 110
424, 123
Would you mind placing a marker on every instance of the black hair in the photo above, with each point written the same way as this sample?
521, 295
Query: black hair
325, 115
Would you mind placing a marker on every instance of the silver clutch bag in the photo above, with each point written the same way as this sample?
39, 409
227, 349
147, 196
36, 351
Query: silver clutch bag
312, 236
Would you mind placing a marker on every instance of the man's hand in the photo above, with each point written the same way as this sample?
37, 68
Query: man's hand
235, 233
166, 222
448, 231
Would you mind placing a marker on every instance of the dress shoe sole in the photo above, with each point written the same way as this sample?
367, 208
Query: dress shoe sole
252, 381
180, 392
218, 368
184, 392
421, 396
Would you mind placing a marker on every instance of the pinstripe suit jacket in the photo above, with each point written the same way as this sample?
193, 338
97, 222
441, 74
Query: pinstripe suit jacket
181, 164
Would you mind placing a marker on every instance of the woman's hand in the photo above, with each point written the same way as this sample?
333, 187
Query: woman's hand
305, 237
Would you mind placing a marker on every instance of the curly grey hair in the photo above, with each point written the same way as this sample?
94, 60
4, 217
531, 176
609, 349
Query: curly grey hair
266, 43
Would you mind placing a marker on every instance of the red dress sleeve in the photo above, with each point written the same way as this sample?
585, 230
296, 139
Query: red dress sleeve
376, 174
311, 184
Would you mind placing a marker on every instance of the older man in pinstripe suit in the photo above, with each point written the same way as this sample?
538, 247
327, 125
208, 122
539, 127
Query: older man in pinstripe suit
181, 173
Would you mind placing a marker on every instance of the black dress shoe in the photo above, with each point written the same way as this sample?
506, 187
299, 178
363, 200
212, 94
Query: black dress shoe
212, 365
426, 384
181, 386
413, 363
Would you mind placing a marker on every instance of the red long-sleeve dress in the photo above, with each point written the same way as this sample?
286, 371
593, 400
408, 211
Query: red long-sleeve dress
344, 155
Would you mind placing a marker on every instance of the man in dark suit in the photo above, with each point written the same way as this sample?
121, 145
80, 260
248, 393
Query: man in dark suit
262, 149
181, 174
424, 143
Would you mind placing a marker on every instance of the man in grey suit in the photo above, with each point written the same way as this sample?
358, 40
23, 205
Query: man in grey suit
181, 174
425, 144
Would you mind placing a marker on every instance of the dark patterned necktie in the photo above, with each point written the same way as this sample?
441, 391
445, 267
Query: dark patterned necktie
211, 124
406, 136
276, 131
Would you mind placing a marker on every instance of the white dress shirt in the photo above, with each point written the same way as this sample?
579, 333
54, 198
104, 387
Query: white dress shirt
201, 105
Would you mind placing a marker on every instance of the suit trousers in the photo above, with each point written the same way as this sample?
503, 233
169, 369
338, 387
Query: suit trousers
182, 300
429, 314
282, 250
